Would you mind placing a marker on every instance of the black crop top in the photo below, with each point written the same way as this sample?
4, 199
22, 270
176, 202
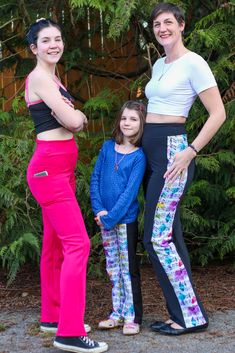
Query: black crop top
41, 113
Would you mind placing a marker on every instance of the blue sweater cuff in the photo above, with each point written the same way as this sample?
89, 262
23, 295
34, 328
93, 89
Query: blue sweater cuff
107, 222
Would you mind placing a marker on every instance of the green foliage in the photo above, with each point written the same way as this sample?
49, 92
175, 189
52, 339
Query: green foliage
19, 215
208, 211
104, 102
89, 147
96, 262
15, 254
2, 327
117, 16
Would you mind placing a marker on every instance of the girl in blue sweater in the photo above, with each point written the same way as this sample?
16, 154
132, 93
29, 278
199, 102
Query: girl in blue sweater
115, 183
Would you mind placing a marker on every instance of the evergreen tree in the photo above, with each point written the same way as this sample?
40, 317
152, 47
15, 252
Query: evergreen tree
208, 210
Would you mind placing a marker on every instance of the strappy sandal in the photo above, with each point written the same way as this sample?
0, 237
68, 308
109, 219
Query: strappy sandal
109, 324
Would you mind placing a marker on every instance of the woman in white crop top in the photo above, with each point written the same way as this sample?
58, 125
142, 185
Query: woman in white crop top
177, 79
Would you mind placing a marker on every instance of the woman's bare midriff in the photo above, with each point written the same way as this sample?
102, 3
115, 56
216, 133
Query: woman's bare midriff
56, 134
161, 119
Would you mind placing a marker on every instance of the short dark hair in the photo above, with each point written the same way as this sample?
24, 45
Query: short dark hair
167, 7
36, 27
140, 108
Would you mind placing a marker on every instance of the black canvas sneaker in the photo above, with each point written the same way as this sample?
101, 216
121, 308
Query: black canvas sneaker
80, 344
48, 326
52, 327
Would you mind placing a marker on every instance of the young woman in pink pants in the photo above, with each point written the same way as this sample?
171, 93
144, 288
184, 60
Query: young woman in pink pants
51, 180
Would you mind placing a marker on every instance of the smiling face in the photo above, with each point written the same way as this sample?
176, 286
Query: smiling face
129, 123
167, 30
50, 46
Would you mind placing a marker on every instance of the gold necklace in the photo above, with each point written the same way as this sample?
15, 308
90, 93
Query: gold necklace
164, 72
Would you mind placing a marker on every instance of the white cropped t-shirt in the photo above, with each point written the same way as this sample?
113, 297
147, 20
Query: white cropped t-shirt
181, 82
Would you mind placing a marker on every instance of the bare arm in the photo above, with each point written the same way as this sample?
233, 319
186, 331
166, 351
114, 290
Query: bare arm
212, 101
47, 90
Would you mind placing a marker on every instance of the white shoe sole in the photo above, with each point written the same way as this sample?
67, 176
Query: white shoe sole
54, 329
130, 333
48, 329
68, 348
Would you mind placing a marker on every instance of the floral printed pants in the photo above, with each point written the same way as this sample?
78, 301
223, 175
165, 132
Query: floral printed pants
123, 270
163, 237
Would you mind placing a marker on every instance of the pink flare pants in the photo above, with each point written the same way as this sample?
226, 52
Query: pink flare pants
66, 245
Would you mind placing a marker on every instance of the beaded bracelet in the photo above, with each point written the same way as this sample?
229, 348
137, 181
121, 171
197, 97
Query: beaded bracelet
193, 148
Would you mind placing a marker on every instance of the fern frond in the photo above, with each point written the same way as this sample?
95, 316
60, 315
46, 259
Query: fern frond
15, 254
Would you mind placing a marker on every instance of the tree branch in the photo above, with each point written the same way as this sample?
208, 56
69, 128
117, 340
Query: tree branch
105, 73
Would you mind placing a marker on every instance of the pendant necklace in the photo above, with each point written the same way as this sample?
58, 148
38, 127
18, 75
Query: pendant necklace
164, 72
117, 162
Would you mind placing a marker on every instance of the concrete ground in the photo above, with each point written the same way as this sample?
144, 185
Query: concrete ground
19, 333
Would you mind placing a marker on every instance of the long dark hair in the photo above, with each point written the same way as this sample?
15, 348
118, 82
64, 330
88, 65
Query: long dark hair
140, 108
36, 27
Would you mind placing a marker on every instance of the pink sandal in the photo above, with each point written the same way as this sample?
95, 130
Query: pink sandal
131, 328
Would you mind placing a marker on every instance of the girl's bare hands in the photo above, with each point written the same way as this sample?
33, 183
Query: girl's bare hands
97, 217
180, 165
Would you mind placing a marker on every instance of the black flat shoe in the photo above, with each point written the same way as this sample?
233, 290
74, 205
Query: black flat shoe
157, 325
168, 330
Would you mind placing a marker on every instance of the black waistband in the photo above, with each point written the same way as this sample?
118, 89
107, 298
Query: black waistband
166, 129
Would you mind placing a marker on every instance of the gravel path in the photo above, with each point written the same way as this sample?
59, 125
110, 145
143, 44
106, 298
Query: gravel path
19, 333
